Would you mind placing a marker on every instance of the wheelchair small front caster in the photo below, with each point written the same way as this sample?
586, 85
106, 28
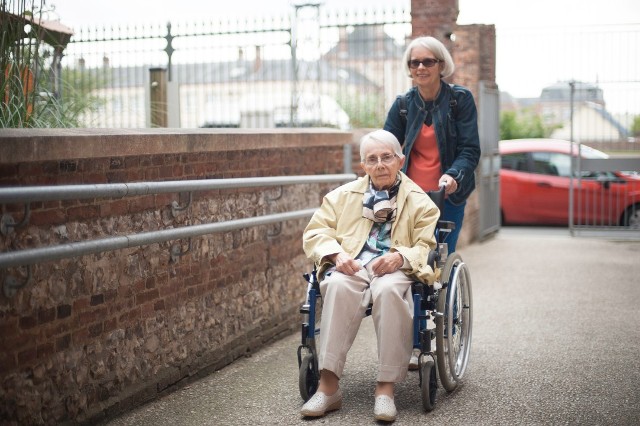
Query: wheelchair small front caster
308, 377
429, 384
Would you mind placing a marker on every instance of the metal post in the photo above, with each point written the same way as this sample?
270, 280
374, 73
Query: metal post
169, 49
158, 97
572, 85
294, 65
305, 45
347, 158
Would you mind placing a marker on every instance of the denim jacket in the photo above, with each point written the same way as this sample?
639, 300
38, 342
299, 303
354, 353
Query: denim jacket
456, 129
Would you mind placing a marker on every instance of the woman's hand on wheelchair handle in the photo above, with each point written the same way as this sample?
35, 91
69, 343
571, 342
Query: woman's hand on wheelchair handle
449, 183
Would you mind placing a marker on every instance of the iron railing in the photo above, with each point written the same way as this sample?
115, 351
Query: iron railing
320, 69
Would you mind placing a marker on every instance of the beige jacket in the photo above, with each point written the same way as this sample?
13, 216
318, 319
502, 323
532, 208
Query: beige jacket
338, 226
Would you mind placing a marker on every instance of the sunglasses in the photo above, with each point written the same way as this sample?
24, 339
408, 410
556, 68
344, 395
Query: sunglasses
426, 62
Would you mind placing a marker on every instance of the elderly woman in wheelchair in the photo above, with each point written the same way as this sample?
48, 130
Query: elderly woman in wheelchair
378, 249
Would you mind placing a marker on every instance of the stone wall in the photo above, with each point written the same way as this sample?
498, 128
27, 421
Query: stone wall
99, 334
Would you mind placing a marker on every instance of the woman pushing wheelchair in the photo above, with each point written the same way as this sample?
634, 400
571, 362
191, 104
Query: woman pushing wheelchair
370, 240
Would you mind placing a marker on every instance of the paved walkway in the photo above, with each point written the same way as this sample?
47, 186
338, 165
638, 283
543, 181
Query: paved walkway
556, 340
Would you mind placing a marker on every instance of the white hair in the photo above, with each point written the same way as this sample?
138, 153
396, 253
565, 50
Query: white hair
434, 46
380, 136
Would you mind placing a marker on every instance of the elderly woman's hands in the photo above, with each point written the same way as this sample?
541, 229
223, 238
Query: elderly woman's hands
345, 263
387, 263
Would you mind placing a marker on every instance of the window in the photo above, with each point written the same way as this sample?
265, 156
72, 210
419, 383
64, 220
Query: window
551, 163
516, 162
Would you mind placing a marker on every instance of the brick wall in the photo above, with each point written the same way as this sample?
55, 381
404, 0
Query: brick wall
474, 54
98, 334
436, 18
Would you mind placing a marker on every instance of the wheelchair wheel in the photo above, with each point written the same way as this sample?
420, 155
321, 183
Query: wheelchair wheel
428, 384
308, 377
454, 326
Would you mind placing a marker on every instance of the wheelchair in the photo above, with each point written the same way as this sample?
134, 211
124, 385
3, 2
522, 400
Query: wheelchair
448, 304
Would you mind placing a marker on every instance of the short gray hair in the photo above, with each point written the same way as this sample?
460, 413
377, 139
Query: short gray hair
434, 46
382, 136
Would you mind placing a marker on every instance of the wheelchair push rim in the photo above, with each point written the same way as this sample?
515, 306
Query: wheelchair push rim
454, 325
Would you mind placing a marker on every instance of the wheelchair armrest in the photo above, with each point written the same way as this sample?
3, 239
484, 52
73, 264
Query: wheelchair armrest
312, 279
426, 292
432, 258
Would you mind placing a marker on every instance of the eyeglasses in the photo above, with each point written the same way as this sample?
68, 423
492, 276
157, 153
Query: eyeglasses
385, 159
427, 62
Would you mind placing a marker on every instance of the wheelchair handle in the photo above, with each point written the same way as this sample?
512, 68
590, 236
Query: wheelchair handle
438, 197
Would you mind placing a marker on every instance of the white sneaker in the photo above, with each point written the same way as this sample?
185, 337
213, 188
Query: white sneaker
320, 404
385, 409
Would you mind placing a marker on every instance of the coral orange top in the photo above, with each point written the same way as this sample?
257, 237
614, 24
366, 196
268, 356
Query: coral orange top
424, 168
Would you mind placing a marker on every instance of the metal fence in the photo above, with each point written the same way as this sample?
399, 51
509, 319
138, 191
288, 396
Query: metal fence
320, 68
591, 96
589, 79
308, 69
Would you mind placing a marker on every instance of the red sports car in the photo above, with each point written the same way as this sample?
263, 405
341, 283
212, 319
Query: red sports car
535, 181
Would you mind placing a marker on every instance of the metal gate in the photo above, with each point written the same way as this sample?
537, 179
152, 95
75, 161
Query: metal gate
488, 172
603, 201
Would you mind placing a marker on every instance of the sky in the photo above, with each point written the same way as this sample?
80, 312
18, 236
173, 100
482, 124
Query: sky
521, 70
502, 13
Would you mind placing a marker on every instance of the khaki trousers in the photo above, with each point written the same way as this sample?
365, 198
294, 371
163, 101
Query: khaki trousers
345, 299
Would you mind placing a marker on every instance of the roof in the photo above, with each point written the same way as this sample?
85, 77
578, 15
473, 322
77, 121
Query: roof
546, 145
281, 70
561, 92
51, 32
243, 71
366, 41
609, 118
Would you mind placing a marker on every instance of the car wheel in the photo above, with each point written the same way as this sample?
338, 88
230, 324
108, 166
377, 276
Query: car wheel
631, 217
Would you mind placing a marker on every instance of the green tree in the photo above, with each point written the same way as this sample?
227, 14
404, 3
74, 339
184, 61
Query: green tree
635, 126
364, 111
523, 124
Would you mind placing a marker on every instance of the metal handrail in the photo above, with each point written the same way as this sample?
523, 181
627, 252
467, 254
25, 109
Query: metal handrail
63, 251
24, 194
29, 257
